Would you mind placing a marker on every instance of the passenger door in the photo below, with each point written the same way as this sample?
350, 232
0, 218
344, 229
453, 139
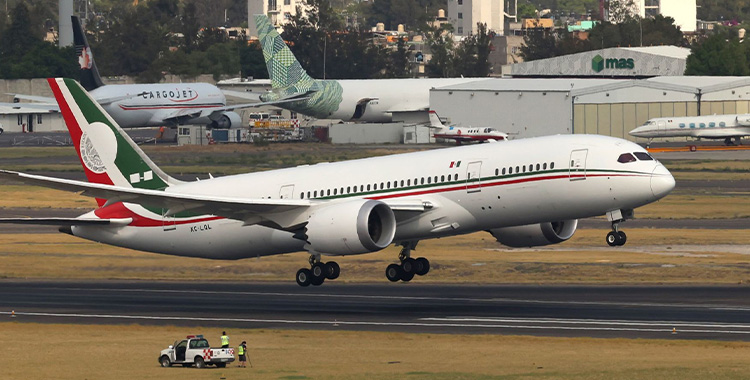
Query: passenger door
286, 192
473, 177
661, 127
577, 170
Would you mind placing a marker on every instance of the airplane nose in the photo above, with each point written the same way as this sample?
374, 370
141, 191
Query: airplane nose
636, 132
662, 181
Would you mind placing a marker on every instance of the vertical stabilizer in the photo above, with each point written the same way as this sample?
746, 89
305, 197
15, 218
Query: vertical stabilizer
283, 68
90, 78
107, 153
435, 120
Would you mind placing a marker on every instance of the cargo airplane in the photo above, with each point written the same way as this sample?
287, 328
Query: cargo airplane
366, 100
463, 134
727, 127
150, 104
528, 192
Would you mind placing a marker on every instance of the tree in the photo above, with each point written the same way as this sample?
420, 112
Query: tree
440, 45
720, 55
622, 10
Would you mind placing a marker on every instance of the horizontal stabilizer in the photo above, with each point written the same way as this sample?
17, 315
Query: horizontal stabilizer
252, 211
64, 221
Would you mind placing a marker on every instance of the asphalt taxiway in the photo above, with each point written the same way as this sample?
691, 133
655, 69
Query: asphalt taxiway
664, 312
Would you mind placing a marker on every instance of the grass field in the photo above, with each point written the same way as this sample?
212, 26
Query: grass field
51, 351
651, 257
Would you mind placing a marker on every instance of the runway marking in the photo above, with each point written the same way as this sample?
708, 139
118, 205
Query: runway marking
448, 323
421, 298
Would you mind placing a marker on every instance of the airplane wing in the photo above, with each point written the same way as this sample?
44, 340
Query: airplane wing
39, 107
33, 98
251, 211
216, 111
255, 96
410, 107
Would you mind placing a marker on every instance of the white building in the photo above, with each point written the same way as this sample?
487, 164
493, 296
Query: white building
465, 14
684, 12
279, 11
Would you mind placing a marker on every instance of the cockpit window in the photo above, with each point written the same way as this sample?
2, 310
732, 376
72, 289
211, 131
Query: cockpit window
643, 156
625, 158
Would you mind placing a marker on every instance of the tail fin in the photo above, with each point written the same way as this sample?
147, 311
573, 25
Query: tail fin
435, 120
283, 68
107, 153
90, 78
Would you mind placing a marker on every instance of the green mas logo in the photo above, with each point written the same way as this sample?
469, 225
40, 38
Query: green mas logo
599, 63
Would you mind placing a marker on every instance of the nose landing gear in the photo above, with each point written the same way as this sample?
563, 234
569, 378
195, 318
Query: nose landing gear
617, 237
409, 266
318, 272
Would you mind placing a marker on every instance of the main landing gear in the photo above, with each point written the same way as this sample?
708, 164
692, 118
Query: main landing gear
409, 266
318, 272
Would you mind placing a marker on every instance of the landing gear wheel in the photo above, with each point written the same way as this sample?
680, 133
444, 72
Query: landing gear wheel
165, 362
303, 277
332, 270
409, 265
423, 266
393, 272
623, 237
319, 272
407, 276
613, 238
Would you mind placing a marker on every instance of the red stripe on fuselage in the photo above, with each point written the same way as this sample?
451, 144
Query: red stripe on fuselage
74, 129
119, 211
165, 107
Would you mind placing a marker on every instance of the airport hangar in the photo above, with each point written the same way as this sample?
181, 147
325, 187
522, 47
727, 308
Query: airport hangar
613, 107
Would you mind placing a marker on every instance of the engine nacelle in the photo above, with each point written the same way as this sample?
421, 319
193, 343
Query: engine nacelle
349, 228
534, 235
227, 120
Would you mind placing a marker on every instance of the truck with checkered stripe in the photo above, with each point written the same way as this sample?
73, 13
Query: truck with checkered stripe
195, 350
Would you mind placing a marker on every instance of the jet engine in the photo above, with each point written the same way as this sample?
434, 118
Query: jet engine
534, 235
355, 227
227, 120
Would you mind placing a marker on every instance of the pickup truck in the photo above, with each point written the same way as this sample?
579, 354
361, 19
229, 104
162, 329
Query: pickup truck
195, 350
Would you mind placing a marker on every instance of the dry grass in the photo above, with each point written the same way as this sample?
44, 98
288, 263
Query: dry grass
131, 352
14, 196
702, 257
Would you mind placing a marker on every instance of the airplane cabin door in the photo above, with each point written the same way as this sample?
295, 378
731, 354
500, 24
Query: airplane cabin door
286, 192
168, 223
577, 170
473, 179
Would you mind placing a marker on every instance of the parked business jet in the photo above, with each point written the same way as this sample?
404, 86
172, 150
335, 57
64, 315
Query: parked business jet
367, 100
727, 127
528, 192
149, 105
462, 134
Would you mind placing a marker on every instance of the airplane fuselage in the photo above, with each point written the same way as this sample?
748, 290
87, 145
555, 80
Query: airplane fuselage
710, 127
149, 105
465, 189
366, 100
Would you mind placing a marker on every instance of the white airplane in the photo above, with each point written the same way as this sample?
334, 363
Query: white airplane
462, 134
367, 100
725, 127
148, 105
528, 192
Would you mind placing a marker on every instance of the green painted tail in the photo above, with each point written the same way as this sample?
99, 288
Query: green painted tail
283, 68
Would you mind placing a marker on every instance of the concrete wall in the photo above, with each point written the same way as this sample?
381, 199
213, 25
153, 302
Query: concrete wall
350, 133
514, 112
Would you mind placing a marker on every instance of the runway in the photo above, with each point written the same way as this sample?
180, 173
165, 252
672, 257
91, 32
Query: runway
717, 313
